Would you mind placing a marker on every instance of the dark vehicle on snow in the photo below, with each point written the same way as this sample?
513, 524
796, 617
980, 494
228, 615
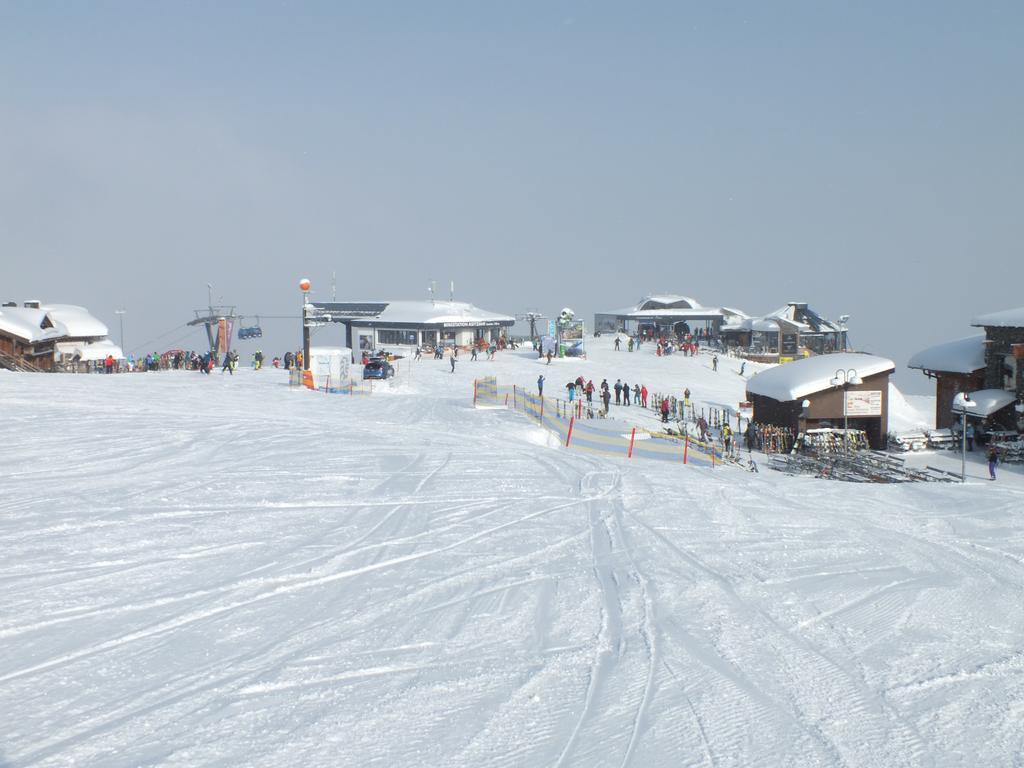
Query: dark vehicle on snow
378, 368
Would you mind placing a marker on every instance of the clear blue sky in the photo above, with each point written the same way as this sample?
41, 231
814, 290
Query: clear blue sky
866, 158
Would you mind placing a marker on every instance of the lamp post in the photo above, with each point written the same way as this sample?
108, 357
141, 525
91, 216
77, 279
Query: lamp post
846, 379
120, 317
304, 286
960, 405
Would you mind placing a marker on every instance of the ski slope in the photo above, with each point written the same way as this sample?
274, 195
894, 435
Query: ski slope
227, 571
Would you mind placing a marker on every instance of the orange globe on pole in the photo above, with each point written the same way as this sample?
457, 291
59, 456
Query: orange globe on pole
304, 284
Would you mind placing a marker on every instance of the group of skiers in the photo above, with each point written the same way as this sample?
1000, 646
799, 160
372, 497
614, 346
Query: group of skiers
582, 389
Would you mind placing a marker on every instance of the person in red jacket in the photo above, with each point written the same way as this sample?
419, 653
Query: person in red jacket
643, 396
664, 411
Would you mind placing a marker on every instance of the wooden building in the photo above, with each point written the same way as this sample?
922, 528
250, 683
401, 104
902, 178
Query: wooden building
802, 395
788, 333
957, 366
48, 337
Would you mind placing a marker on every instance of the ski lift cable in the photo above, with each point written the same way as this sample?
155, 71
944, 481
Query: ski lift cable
161, 336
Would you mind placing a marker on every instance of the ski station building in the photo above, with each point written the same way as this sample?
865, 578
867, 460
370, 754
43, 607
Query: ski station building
399, 326
957, 366
49, 337
782, 336
667, 314
989, 367
802, 395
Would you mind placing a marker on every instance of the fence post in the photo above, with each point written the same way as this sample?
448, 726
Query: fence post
568, 435
686, 447
474, 392
632, 438
541, 419
515, 392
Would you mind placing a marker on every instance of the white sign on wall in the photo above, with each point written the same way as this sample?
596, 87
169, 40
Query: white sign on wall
864, 403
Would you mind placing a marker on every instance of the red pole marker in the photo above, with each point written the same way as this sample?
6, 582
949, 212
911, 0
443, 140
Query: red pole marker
542, 410
632, 439
686, 448
568, 435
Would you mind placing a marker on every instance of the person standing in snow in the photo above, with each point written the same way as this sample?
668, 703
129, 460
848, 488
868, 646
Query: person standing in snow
616, 343
540, 385
472, 353
625, 393
636, 394
618, 391
589, 389
714, 363
970, 436
993, 458
664, 410
452, 359
606, 398
643, 395
227, 365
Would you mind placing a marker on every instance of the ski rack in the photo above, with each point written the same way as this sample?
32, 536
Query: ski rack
857, 467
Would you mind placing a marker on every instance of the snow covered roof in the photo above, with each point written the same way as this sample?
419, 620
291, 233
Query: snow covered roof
89, 350
26, 323
77, 321
1008, 318
960, 356
674, 306
807, 319
668, 301
415, 312
986, 402
792, 381
61, 320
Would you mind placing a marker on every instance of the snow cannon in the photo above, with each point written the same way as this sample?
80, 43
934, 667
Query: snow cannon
566, 315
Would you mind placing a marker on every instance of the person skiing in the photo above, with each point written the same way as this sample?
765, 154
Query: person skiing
571, 389
419, 354
258, 359
227, 365
993, 458
629, 346
714, 363
472, 353
618, 391
625, 393
540, 385
743, 367
616, 343
664, 410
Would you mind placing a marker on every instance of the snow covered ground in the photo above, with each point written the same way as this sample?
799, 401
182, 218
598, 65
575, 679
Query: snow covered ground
227, 571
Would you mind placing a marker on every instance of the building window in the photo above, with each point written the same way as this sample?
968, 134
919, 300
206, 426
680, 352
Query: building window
396, 337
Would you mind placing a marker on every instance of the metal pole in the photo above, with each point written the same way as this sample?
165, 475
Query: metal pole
846, 423
963, 443
120, 317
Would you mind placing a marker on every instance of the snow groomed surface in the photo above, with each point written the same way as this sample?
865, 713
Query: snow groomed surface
228, 571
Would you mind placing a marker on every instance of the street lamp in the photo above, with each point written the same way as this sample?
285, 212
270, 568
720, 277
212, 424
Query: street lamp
960, 405
120, 316
846, 379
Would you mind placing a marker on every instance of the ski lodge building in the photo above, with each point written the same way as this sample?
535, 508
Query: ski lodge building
782, 336
404, 326
990, 368
801, 396
957, 366
667, 314
49, 337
